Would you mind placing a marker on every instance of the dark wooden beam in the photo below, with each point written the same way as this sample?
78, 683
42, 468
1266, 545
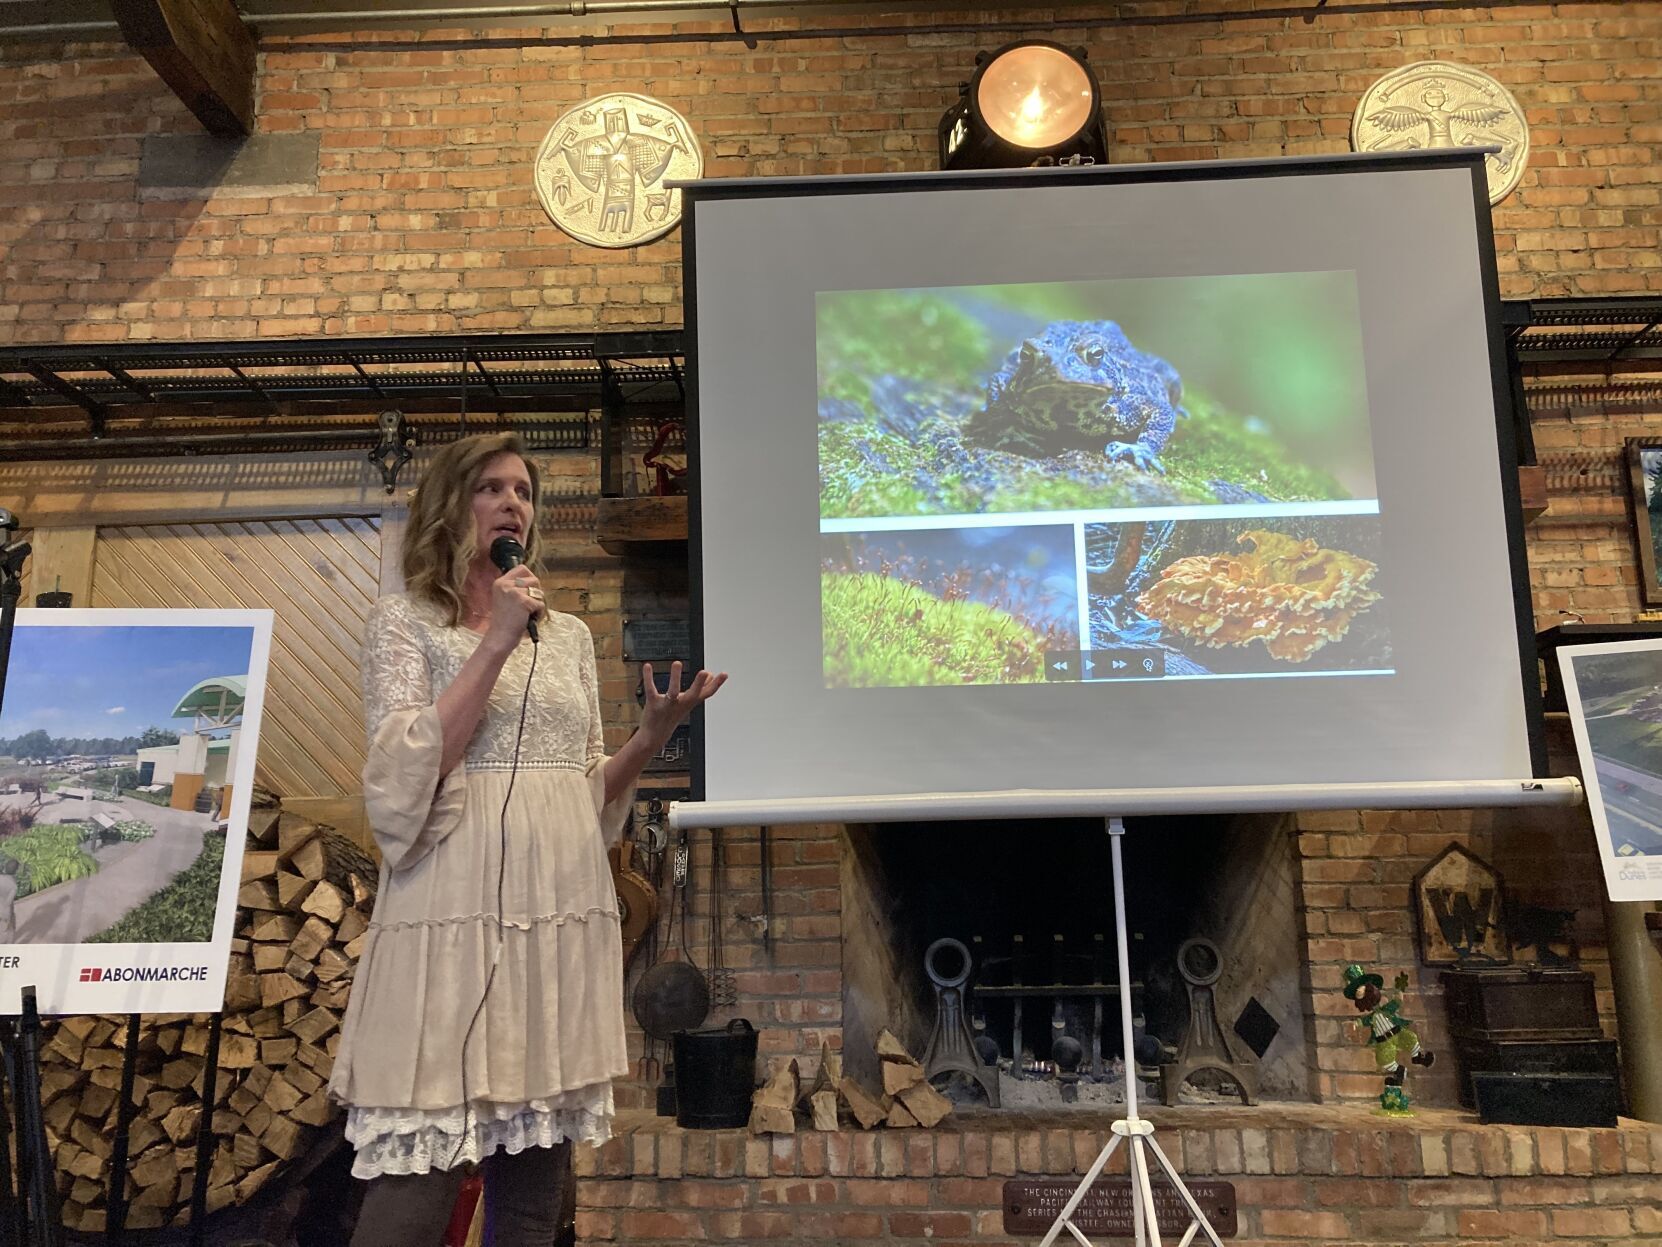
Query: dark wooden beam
203, 51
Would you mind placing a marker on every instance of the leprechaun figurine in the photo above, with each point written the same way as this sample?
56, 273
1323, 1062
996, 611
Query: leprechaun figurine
1391, 1035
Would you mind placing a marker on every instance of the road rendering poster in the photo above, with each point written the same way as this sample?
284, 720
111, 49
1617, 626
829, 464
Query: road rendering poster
127, 744
1615, 700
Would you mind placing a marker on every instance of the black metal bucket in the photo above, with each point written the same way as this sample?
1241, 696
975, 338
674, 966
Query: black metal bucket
715, 1076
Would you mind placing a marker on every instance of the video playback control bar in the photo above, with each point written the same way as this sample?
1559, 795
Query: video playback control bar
1104, 664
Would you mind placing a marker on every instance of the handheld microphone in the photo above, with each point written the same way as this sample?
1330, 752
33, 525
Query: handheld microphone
508, 554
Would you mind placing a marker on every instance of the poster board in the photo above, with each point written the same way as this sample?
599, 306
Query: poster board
1614, 696
127, 748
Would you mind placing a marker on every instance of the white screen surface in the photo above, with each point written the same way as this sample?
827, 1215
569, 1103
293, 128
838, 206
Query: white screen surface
1384, 485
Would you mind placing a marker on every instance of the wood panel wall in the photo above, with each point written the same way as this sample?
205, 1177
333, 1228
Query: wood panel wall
319, 576
28, 598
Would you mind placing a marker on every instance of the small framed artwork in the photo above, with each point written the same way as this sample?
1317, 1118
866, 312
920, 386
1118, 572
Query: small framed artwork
1644, 470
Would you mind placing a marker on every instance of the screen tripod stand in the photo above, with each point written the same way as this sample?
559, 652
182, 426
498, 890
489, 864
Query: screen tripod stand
1132, 1130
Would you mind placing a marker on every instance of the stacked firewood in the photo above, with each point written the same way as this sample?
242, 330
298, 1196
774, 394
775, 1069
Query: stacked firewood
305, 900
907, 1099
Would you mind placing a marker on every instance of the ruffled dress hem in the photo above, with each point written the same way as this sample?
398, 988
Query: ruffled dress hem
415, 1141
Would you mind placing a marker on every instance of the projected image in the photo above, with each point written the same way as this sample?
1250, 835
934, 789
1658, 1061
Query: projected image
960, 606
1091, 395
1621, 706
1255, 596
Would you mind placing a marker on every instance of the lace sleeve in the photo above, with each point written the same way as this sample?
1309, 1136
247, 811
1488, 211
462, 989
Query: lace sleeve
584, 641
613, 815
411, 806
396, 675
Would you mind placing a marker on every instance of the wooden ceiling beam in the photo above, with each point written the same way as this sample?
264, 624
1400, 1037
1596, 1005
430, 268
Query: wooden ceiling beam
203, 51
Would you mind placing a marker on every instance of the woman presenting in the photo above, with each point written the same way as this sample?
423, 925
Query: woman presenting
486, 1019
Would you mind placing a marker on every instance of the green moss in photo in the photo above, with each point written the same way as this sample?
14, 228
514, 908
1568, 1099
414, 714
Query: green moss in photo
1214, 445
867, 334
884, 633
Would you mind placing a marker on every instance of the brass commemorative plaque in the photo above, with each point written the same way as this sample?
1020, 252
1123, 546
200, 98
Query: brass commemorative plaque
1031, 1206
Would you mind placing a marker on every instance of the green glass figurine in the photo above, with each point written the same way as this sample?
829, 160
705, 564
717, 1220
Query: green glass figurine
1390, 1034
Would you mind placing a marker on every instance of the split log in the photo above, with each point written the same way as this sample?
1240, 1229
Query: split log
917, 1103
926, 1104
824, 1107
310, 862
292, 890
773, 1108
898, 1076
867, 1110
900, 1069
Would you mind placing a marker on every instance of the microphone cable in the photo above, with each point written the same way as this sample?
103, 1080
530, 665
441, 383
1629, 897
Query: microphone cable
501, 877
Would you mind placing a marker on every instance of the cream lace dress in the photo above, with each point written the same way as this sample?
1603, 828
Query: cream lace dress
550, 1037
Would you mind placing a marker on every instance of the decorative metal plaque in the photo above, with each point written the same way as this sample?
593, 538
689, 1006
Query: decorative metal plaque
1031, 1206
656, 640
1433, 104
601, 169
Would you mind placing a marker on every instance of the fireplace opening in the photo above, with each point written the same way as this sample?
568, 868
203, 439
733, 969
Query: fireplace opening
1218, 988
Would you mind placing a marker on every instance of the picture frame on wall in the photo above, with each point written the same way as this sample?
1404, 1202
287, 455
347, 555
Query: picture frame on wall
1644, 474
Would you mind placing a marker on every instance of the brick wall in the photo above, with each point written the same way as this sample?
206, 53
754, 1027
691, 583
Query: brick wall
423, 217
1317, 1176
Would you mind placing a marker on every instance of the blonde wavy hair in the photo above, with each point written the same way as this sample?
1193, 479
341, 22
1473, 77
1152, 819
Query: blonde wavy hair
440, 538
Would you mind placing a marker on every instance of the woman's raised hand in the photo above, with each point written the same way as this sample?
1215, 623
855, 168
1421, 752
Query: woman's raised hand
664, 712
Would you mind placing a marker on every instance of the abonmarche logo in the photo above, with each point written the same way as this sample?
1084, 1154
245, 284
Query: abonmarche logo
144, 974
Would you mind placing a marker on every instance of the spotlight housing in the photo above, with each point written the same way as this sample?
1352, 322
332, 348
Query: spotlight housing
1032, 102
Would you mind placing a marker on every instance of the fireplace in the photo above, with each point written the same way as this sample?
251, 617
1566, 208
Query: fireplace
1031, 902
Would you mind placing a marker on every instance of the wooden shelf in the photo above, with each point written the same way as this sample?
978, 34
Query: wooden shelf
1532, 491
640, 525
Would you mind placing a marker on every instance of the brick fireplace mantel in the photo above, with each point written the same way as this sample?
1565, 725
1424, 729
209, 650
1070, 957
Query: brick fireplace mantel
1328, 1174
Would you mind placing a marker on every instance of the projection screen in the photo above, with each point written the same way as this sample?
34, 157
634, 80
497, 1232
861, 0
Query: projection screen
1123, 478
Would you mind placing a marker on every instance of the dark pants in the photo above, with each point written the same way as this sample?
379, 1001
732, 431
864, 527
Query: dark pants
530, 1200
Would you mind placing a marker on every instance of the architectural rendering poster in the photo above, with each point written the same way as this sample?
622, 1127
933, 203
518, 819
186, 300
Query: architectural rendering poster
1615, 700
127, 742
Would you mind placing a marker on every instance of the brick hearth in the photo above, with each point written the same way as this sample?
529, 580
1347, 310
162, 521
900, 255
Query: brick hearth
1336, 1175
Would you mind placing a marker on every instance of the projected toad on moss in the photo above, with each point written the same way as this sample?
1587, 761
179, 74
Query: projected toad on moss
1231, 390
1080, 385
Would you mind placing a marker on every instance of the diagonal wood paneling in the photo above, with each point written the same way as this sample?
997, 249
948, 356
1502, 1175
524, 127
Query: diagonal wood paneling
320, 578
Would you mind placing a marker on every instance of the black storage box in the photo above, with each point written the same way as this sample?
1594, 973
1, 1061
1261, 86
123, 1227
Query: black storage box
1521, 1004
1588, 1100
1531, 1056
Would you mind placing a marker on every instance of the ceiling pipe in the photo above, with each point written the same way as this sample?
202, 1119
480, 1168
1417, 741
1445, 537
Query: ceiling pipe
506, 12
470, 15
60, 30
466, 15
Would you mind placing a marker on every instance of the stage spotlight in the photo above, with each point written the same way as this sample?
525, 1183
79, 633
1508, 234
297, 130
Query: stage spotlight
1031, 102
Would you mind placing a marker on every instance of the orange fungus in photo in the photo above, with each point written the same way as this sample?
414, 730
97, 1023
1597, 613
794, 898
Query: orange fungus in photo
1294, 596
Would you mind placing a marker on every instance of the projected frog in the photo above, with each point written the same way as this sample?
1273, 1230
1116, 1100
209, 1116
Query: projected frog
1080, 385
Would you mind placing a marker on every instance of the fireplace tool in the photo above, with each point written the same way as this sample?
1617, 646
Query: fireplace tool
1131, 1130
952, 1044
1205, 1046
